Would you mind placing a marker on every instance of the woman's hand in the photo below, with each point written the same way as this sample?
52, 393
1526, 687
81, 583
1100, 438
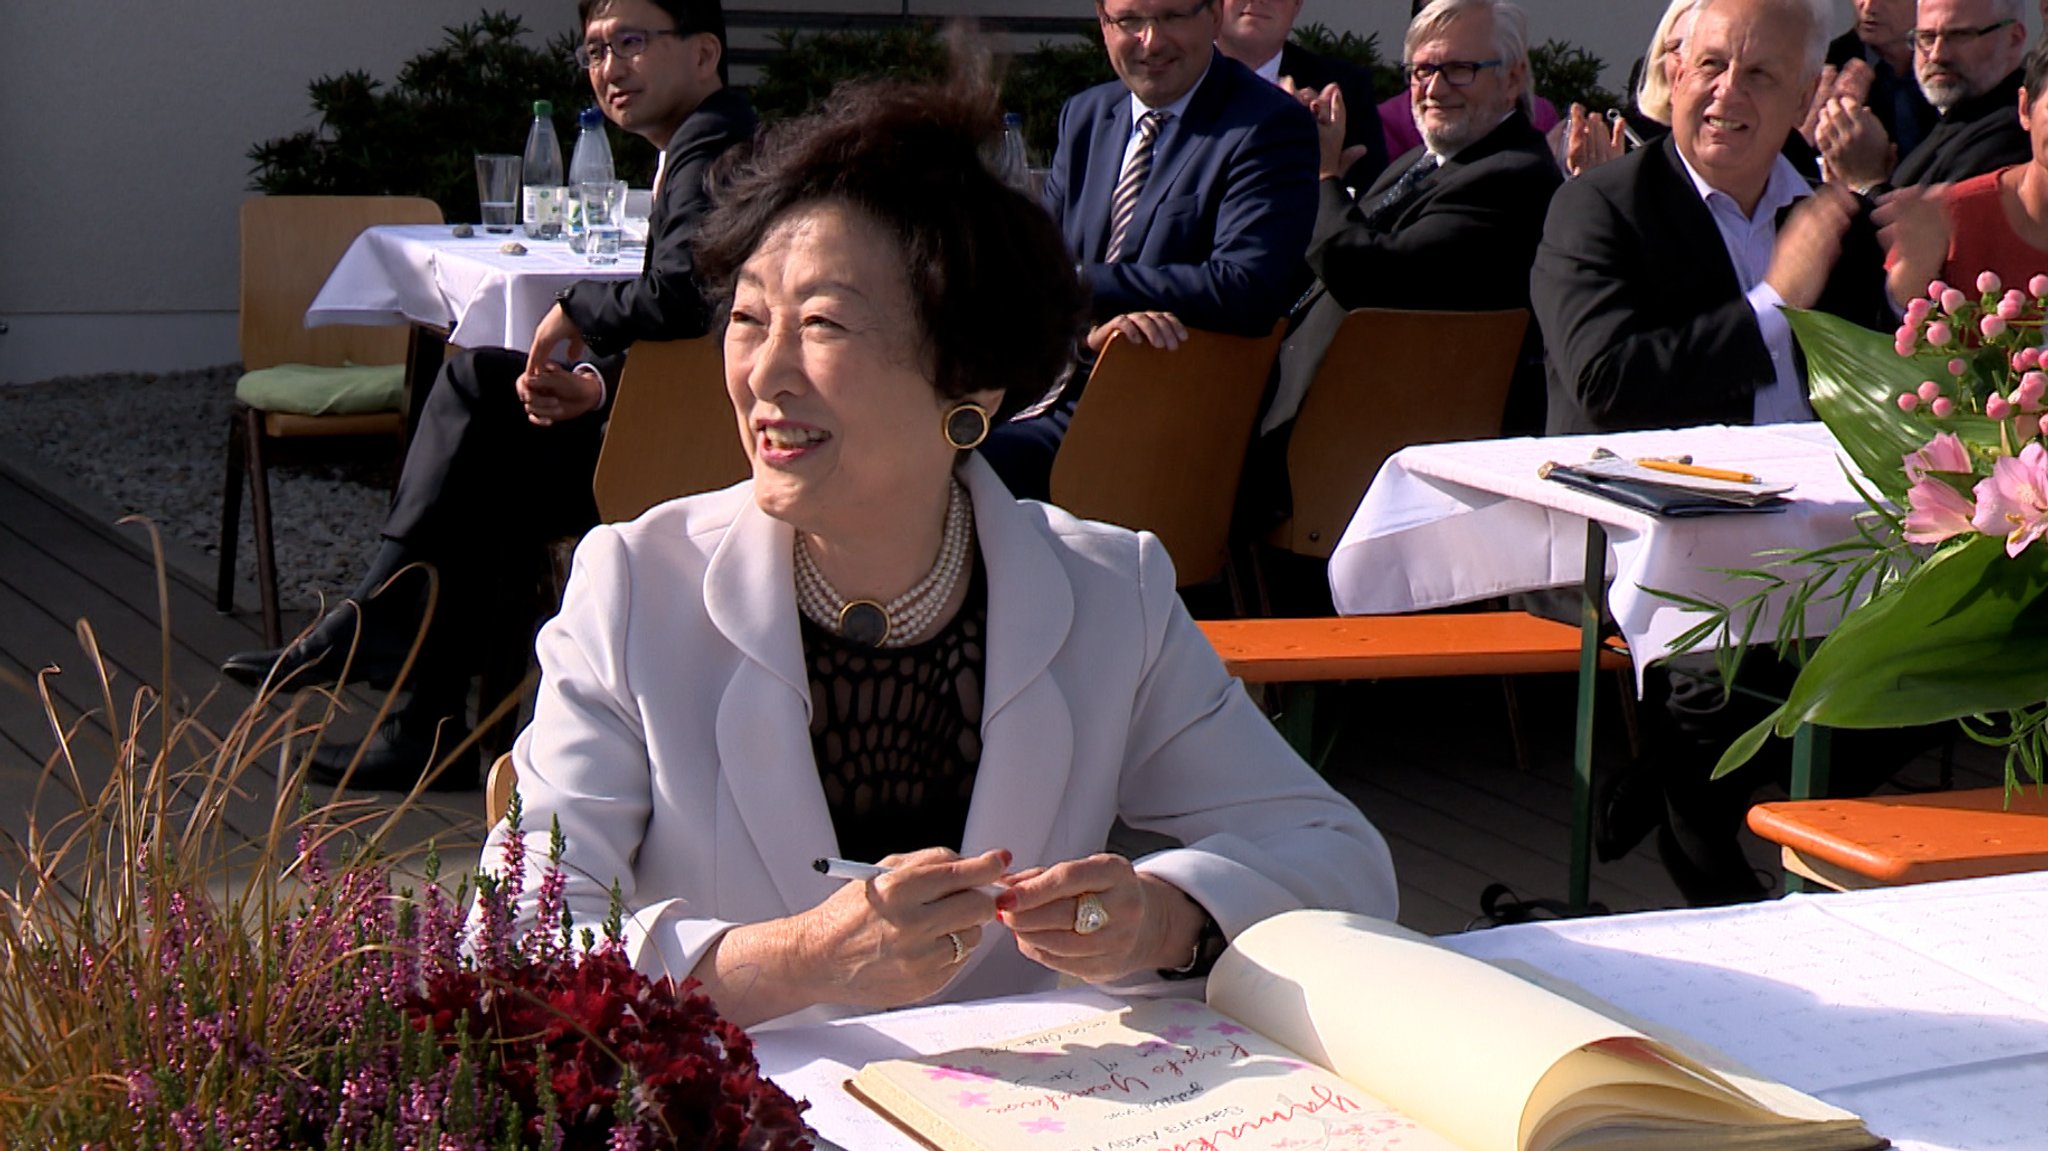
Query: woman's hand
879, 943
1148, 924
1590, 141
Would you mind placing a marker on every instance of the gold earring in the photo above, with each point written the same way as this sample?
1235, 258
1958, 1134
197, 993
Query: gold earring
965, 425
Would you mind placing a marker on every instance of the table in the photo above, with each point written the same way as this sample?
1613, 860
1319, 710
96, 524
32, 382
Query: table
1445, 524
464, 291
1451, 523
1922, 1009
479, 296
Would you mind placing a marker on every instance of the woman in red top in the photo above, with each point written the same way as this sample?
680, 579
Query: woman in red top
1997, 222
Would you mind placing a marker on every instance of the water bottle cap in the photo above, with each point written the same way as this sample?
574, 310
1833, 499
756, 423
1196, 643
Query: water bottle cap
543, 108
589, 118
1012, 120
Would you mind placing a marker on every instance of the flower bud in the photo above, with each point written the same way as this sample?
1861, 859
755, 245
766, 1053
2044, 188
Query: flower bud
1940, 334
2033, 386
1935, 288
2011, 309
1992, 327
2027, 359
1997, 406
1943, 408
1988, 283
1908, 401
2044, 425
1952, 301
1916, 311
1958, 366
2038, 287
1929, 390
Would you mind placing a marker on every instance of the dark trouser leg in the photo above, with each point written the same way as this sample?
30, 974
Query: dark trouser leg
483, 493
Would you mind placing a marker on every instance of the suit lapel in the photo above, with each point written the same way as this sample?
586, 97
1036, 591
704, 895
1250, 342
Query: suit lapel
1112, 128
1176, 148
1705, 257
763, 732
1027, 727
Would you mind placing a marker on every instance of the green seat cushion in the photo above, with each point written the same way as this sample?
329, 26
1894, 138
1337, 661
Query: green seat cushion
309, 390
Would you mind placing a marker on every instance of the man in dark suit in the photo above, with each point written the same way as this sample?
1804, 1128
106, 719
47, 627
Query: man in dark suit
1186, 189
1658, 288
1880, 43
1967, 56
1451, 225
501, 462
1255, 33
1660, 276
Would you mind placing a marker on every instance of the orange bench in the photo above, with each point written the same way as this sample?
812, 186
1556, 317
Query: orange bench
1398, 647
1887, 840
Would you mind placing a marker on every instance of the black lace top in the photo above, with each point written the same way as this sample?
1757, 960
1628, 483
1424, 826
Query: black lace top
897, 731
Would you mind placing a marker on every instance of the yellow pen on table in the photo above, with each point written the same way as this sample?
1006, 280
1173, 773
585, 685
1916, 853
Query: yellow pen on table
1683, 469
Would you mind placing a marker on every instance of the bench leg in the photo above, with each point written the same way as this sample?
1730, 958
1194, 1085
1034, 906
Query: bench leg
1809, 777
1592, 609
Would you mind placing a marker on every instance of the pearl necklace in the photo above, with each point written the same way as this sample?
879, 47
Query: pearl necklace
905, 619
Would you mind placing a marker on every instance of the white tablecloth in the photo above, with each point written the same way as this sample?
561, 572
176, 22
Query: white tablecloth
481, 296
1451, 523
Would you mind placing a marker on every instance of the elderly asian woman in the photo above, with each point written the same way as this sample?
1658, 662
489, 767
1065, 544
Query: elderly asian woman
872, 650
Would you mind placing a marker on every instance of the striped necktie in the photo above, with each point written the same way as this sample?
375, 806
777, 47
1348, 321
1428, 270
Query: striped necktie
1389, 204
1124, 204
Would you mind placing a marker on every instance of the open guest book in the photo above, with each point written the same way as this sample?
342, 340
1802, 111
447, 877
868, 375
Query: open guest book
1332, 1031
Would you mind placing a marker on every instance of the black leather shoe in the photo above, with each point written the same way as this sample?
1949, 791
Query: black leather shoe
317, 658
400, 751
1627, 806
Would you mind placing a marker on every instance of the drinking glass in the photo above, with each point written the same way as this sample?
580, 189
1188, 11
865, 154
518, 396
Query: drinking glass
497, 189
604, 208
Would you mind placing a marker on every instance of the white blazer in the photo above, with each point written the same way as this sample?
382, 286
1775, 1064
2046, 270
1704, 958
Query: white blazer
671, 736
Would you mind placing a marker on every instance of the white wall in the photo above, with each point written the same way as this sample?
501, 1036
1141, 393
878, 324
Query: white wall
126, 124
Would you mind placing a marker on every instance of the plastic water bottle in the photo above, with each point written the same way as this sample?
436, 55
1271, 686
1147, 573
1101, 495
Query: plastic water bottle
540, 175
1010, 165
590, 163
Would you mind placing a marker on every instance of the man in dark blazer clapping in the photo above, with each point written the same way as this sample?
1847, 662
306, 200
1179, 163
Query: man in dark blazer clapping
1660, 276
1658, 287
1451, 225
1256, 33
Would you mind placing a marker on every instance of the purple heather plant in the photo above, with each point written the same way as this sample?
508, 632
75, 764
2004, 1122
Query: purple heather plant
165, 985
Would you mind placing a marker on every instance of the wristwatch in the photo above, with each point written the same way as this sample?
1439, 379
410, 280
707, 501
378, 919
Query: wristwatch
1209, 945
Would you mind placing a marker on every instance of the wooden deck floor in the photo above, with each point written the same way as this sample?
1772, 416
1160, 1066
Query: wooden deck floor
1429, 762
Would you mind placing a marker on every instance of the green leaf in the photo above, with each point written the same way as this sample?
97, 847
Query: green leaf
1747, 744
1963, 634
1854, 377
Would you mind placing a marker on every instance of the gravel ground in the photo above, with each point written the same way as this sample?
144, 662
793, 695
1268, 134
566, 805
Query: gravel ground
156, 445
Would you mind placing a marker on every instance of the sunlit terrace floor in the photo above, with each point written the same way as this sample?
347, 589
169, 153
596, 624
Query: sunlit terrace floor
1430, 762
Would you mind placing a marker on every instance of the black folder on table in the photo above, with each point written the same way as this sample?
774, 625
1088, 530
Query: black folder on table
1604, 478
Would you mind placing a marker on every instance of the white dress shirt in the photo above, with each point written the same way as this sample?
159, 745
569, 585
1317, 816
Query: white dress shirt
1750, 240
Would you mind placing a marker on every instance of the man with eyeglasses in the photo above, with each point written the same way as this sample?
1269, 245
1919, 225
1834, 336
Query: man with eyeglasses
1186, 188
1967, 55
501, 462
1451, 225
1880, 45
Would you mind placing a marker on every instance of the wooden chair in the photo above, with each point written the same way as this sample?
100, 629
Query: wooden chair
1158, 442
289, 245
1391, 379
1886, 840
672, 431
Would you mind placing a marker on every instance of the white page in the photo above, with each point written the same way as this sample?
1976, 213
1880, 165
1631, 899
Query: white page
1785, 988
815, 1062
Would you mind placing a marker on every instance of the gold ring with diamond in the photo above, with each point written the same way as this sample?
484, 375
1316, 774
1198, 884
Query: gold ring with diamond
959, 948
1089, 915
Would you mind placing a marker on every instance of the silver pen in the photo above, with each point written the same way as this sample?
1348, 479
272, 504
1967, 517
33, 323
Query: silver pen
850, 870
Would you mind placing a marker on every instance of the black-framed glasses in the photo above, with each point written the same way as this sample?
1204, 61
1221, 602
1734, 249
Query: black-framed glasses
1168, 21
1926, 38
1456, 73
627, 44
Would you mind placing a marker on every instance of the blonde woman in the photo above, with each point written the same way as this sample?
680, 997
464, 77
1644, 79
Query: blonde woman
1589, 143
